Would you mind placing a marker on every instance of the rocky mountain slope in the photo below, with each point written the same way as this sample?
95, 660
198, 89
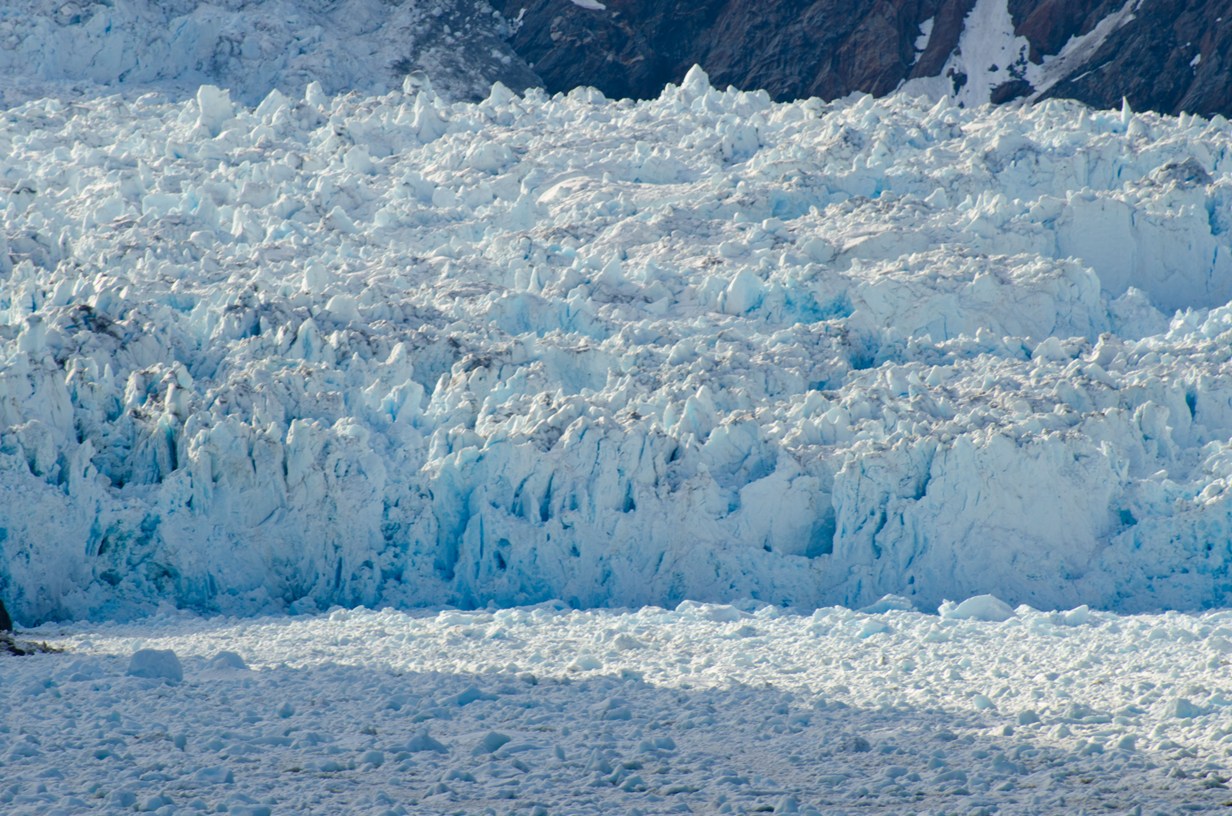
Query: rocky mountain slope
1164, 55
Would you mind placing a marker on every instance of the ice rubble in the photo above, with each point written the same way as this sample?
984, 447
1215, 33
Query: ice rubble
704, 709
389, 350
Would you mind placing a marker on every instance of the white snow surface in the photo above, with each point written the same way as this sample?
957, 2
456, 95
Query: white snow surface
78, 48
926, 35
388, 350
990, 54
702, 709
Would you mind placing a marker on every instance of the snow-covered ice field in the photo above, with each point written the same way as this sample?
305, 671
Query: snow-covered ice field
702, 709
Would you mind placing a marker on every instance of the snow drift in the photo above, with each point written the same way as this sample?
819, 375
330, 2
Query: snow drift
393, 350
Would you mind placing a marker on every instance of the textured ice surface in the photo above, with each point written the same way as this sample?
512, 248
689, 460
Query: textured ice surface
70, 49
388, 350
704, 709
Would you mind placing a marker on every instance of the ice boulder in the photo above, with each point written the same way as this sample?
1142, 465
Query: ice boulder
889, 603
1078, 616
214, 775
156, 664
980, 608
216, 108
228, 660
490, 743
423, 742
1184, 709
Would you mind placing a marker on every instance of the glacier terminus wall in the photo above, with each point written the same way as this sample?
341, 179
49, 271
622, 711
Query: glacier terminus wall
393, 350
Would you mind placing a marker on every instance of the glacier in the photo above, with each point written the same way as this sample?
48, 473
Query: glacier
170, 47
394, 350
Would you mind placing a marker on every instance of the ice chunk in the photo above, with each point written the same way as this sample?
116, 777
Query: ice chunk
979, 608
873, 627
314, 95
228, 660
1184, 709
743, 294
424, 742
1028, 717
627, 643
156, 664
695, 85
982, 703
1078, 616
719, 613
888, 603
215, 108
467, 696
490, 743
214, 775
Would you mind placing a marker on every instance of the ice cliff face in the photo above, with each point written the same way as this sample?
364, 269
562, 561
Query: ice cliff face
389, 350
68, 49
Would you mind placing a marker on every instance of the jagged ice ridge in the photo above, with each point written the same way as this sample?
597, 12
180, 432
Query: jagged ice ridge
392, 350
170, 47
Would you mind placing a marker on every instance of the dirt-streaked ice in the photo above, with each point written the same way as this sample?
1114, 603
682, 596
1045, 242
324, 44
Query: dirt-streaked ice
393, 350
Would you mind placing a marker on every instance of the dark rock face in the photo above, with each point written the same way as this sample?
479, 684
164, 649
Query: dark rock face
633, 48
10, 645
829, 48
1049, 24
947, 29
1173, 56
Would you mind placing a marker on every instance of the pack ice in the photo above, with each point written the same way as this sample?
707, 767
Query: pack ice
393, 350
